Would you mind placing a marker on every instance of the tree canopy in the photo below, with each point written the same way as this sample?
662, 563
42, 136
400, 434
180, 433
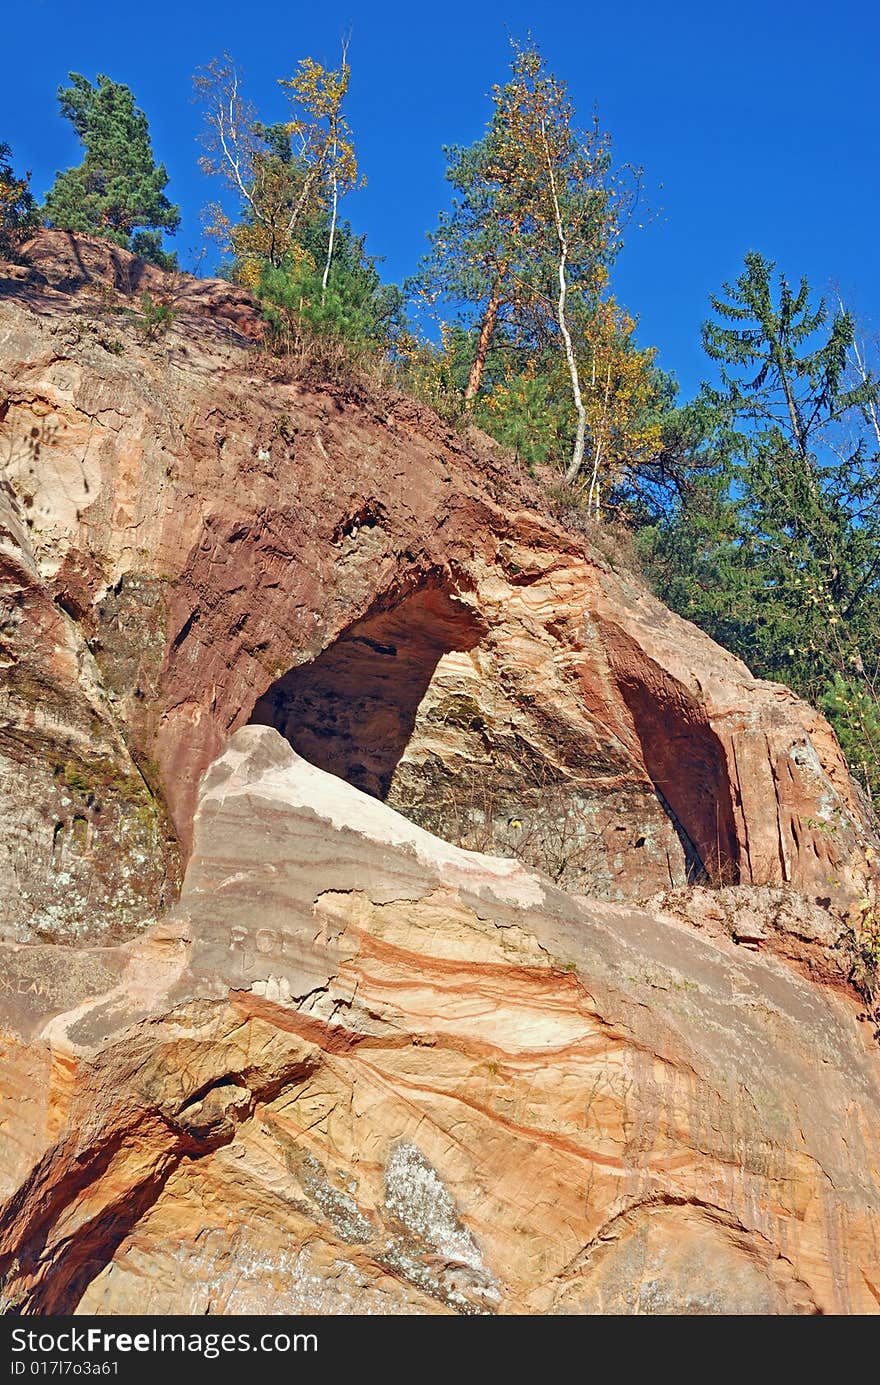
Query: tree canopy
773, 546
118, 191
18, 208
527, 249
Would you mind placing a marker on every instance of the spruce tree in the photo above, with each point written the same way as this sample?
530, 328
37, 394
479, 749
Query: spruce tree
118, 191
773, 545
780, 369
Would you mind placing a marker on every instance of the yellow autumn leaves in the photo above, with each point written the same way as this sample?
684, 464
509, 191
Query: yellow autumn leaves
282, 174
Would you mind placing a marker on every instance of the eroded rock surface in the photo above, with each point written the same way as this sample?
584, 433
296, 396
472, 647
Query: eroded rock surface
194, 538
361, 1070
356, 1067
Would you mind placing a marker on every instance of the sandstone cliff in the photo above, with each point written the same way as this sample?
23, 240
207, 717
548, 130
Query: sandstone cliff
193, 540
355, 1067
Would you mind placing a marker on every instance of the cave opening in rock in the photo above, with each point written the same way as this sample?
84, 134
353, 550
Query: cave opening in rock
353, 709
687, 766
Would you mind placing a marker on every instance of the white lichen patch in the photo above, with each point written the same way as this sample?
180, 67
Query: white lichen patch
418, 1198
340, 1209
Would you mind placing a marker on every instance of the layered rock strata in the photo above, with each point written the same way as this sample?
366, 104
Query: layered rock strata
363, 1071
434, 1060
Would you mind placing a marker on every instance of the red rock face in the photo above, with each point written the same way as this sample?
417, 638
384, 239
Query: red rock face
214, 537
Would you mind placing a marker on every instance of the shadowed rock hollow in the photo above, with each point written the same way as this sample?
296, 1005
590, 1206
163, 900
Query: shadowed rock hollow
353, 710
356, 1067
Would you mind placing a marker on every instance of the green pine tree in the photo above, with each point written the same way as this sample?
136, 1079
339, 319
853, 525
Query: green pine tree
118, 191
354, 306
773, 543
19, 217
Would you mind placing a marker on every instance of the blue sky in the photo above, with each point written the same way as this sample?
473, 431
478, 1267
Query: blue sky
758, 125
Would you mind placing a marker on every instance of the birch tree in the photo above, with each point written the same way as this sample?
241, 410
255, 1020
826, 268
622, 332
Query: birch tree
573, 207
562, 239
274, 191
517, 190
282, 175
324, 137
525, 252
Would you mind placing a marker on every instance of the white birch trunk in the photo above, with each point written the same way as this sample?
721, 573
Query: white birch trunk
577, 456
326, 277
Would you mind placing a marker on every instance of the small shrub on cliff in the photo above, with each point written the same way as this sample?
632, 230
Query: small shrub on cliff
354, 318
156, 317
429, 374
860, 943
